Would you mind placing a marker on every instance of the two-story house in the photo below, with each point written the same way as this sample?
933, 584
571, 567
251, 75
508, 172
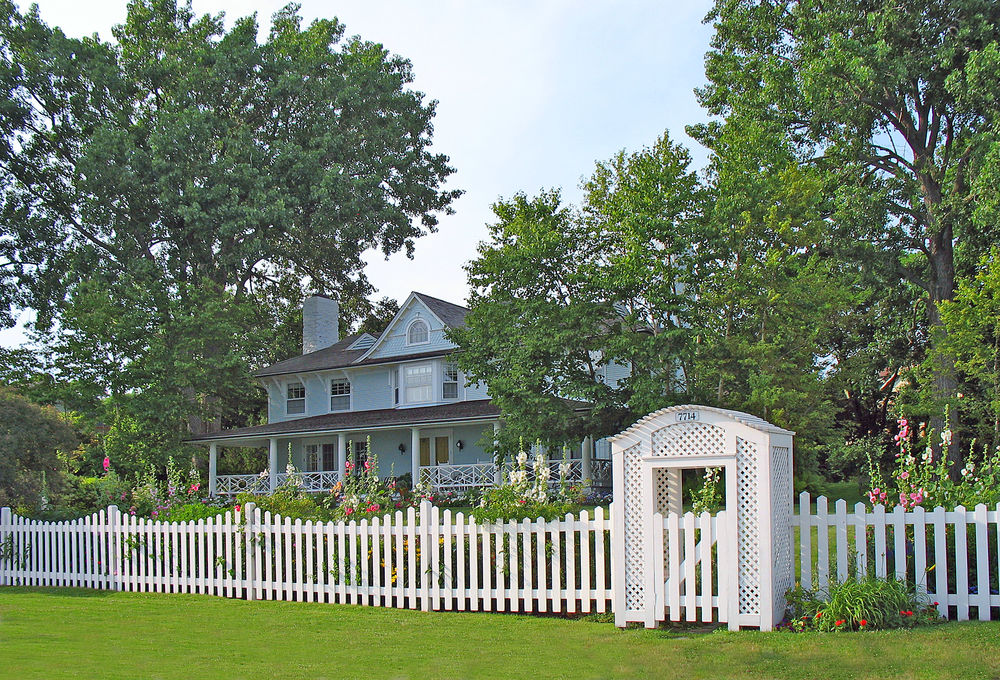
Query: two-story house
399, 389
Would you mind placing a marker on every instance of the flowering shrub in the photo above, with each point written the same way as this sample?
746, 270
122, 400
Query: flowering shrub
858, 604
921, 477
525, 496
151, 498
362, 494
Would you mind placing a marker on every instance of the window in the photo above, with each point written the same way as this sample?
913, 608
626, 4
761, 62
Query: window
329, 456
296, 402
449, 387
340, 394
311, 461
320, 457
394, 384
418, 333
418, 381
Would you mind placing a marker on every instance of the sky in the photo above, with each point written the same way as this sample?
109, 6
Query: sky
530, 96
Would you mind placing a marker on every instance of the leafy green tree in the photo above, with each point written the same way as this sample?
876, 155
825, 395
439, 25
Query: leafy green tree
31, 438
169, 197
871, 94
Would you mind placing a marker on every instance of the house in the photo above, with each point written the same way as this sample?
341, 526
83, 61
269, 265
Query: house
401, 390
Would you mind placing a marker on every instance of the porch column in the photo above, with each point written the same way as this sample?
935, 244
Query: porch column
272, 480
497, 461
342, 455
586, 456
213, 461
415, 455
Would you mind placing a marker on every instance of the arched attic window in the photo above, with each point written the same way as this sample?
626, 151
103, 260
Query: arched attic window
418, 332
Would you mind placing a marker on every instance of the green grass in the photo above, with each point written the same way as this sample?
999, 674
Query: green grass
68, 633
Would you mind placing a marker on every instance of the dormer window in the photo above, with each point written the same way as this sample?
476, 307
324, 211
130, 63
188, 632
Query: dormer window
418, 333
340, 394
295, 403
449, 385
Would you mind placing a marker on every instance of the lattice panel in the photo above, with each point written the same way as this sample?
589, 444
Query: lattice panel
748, 526
688, 439
634, 530
781, 518
661, 487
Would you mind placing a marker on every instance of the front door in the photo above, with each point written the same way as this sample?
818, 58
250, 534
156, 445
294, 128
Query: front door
435, 451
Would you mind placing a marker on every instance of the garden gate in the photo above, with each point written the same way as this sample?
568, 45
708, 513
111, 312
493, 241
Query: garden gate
663, 562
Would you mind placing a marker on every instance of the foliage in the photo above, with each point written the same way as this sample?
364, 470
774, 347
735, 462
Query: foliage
921, 474
169, 196
710, 495
31, 438
527, 495
858, 604
887, 104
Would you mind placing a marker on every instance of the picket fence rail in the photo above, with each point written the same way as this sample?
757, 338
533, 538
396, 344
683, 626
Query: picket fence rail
950, 555
428, 559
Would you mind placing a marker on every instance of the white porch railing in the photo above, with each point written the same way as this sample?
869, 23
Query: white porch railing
230, 485
458, 477
323, 480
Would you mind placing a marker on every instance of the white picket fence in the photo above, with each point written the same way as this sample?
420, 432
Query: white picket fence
691, 577
951, 555
428, 559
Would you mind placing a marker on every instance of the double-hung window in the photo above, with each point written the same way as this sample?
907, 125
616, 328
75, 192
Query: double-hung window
295, 402
394, 384
340, 394
320, 457
449, 384
418, 383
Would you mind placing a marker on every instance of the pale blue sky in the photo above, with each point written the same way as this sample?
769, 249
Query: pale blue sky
530, 95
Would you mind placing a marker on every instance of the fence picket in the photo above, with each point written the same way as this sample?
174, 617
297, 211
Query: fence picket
961, 564
805, 538
982, 599
841, 538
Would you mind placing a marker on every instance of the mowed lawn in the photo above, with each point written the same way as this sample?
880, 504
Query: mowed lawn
67, 633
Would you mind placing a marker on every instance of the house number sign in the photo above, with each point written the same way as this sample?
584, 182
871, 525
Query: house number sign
685, 416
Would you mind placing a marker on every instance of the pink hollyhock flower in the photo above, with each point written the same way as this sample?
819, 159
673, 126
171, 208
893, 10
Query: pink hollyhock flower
883, 496
107, 463
348, 511
236, 507
904, 475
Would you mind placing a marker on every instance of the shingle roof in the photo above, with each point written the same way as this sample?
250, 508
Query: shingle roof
338, 356
334, 356
451, 314
462, 410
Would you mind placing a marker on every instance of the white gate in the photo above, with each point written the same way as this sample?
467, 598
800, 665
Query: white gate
689, 579
752, 536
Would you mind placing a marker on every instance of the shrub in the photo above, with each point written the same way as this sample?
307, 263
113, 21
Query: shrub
192, 511
524, 497
864, 603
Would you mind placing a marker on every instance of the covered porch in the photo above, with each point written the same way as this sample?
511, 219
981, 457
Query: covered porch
442, 450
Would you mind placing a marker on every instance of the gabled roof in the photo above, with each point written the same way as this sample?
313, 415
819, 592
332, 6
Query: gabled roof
343, 354
449, 314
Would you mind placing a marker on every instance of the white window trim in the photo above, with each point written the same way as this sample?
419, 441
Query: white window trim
285, 387
457, 381
329, 394
410, 325
405, 386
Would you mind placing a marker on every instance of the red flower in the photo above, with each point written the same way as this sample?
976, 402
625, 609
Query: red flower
819, 614
839, 622
862, 623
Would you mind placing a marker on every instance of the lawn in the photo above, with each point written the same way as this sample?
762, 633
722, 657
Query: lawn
68, 633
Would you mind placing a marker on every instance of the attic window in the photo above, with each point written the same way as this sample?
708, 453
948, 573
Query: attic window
296, 399
418, 333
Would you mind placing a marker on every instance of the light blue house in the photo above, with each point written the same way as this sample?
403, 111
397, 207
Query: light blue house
400, 389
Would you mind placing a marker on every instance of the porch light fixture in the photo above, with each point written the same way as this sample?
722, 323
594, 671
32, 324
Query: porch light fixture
459, 445
402, 448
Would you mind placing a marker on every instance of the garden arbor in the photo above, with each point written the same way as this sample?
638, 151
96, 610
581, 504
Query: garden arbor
664, 562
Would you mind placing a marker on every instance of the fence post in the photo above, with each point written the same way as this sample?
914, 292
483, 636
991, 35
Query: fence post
6, 548
425, 554
114, 568
250, 510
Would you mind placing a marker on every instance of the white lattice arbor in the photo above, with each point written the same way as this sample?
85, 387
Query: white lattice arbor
755, 559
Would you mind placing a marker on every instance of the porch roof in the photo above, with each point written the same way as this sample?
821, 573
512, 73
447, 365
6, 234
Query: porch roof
480, 409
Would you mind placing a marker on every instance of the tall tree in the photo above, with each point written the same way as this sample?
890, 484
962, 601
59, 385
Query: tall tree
167, 197
868, 90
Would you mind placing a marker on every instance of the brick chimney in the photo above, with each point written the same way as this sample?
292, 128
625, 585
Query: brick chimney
320, 323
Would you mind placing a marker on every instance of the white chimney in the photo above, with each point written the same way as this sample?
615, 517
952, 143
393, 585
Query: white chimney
320, 323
